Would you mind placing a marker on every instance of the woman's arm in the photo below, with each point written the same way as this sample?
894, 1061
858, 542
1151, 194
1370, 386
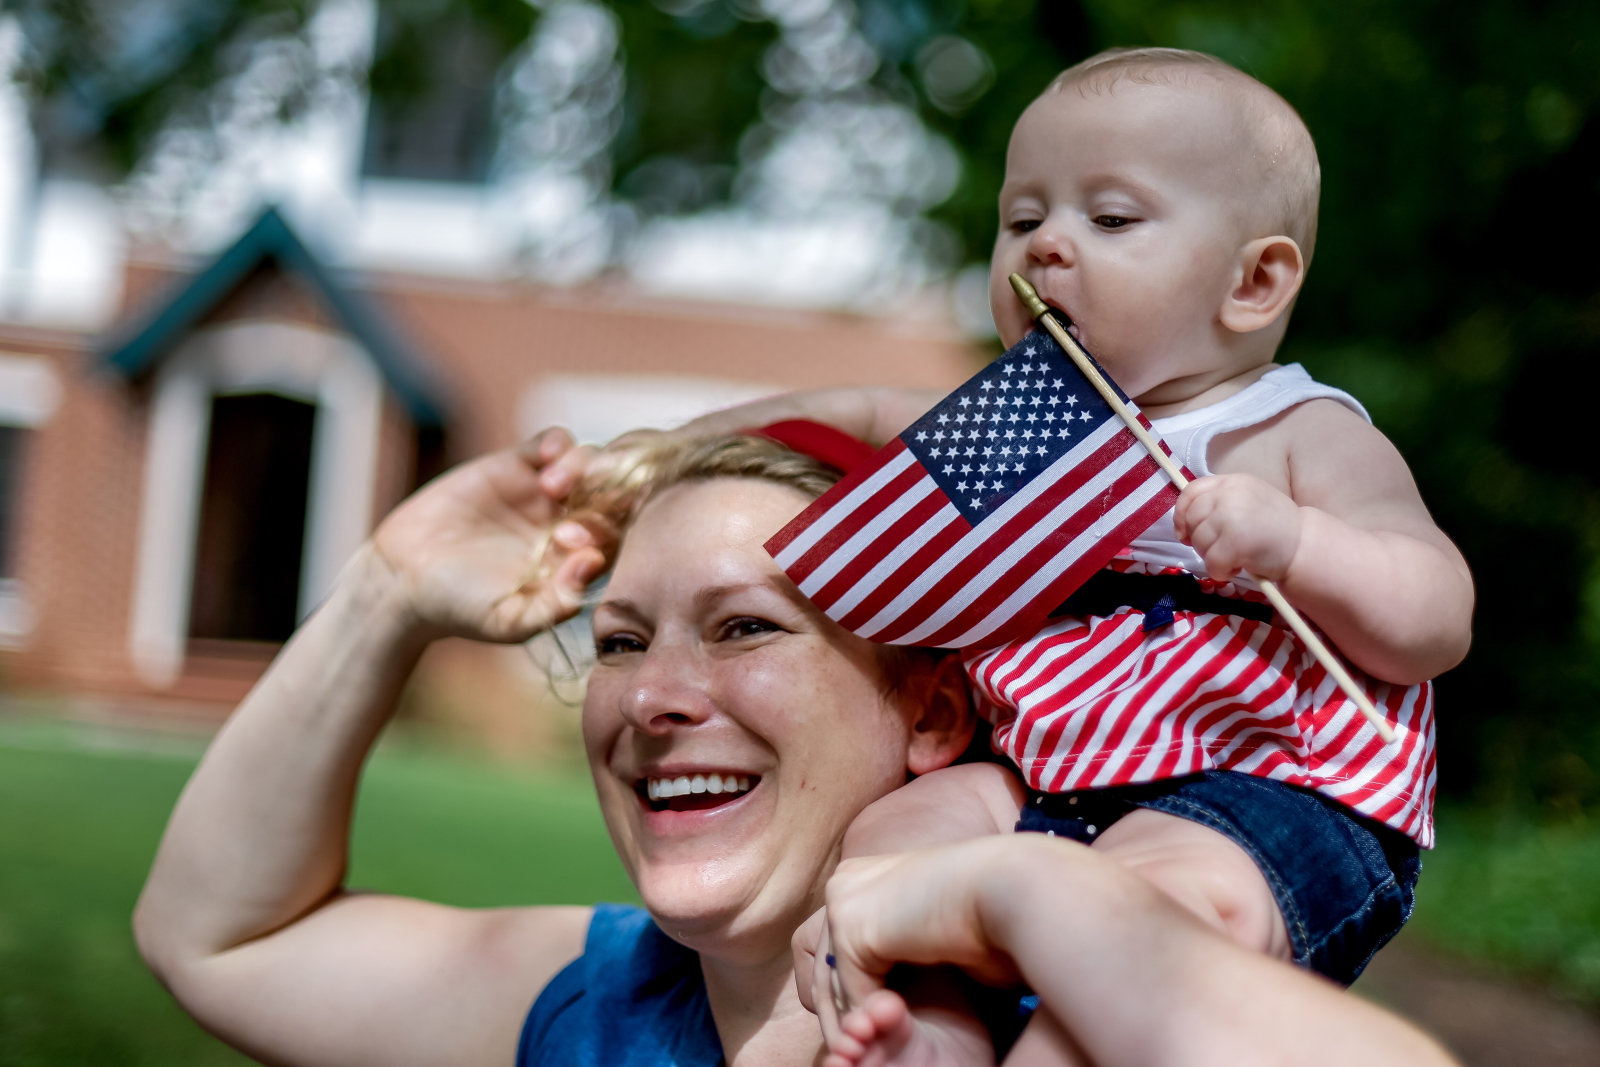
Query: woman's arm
1133, 978
244, 917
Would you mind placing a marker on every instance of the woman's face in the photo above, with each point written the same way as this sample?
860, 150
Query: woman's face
711, 663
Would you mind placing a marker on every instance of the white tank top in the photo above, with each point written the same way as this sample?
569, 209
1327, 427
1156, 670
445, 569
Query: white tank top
1189, 436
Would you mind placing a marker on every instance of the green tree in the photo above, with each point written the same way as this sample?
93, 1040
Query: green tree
1453, 288
104, 77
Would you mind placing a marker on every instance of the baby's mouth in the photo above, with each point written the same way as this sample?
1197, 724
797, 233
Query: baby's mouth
1066, 319
694, 792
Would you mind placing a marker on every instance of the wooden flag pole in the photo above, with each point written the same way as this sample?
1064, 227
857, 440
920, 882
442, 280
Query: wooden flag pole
1041, 312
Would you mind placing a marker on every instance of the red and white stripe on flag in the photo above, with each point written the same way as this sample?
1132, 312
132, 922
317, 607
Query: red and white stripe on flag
972, 526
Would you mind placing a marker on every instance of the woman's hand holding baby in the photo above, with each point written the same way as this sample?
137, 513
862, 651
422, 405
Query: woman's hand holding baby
1237, 522
488, 550
908, 907
1134, 978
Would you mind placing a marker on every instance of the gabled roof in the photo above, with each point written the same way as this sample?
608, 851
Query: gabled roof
135, 351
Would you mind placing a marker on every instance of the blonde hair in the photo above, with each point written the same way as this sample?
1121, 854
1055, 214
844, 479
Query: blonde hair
1284, 153
625, 479
619, 490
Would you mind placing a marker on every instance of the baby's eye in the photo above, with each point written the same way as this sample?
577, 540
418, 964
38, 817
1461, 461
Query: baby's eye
746, 626
1025, 225
1111, 222
617, 644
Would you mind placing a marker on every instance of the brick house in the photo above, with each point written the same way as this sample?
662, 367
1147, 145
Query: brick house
177, 492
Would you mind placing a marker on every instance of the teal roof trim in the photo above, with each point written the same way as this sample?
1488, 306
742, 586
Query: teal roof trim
134, 352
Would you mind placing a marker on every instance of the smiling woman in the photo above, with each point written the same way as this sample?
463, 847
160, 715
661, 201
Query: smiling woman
733, 731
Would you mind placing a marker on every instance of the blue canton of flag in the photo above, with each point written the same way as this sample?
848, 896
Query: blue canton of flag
985, 514
988, 439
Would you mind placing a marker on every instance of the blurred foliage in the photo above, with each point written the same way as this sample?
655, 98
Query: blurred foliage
1518, 896
402, 65
694, 89
106, 75
1453, 283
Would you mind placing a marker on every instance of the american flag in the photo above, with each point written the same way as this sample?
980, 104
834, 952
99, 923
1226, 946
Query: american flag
984, 515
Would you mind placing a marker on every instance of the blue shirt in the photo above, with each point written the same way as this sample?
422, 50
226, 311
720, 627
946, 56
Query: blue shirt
635, 998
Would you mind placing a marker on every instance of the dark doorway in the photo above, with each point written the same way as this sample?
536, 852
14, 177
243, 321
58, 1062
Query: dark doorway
12, 442
252, 519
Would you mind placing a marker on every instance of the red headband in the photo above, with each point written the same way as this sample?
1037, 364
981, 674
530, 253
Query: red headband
821, 442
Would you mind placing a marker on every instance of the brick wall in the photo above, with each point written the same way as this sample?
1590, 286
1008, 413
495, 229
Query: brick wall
78, 521
486, 344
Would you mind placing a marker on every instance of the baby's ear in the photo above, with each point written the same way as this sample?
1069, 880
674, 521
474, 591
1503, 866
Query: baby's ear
1266, 279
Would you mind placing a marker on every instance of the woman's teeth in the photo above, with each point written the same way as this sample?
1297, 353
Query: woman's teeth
683, 785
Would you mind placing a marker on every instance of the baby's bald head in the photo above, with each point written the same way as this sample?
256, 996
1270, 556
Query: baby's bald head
1281, 158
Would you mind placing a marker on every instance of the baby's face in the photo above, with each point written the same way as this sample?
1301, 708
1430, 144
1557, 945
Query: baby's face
1122, 207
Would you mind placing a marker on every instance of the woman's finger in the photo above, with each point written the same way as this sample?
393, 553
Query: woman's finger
805, 947
567, 470
546, 446
573, 559
825, 994
866, 928
914, 907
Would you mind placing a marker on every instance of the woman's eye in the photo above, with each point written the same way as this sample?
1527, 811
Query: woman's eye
1025, 225
618, 644
747, 626
1111, 222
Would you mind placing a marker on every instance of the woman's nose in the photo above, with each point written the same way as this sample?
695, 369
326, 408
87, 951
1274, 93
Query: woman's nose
667, 691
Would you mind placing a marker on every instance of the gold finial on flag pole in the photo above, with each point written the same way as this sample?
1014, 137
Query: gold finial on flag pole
1040, 311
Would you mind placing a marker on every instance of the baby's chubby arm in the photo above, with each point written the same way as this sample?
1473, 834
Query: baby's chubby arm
1320, 502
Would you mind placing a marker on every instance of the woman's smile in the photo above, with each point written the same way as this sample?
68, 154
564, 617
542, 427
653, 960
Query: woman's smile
689, 813
692, 790
739, 729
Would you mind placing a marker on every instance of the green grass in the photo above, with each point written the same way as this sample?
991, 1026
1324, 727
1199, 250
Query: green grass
79, 824
1517, 895
78, 828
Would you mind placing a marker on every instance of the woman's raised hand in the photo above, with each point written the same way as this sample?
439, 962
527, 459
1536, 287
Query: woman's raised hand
244, 917
489, 550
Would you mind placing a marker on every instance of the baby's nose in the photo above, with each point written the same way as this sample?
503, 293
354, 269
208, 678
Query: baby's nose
1049, 246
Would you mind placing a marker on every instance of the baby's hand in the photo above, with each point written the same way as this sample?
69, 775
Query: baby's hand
1237, 522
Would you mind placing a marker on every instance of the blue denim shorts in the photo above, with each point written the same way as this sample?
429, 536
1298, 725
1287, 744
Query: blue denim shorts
1344, 884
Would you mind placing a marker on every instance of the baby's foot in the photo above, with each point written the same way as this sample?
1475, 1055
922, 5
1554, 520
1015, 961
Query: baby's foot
884, 1032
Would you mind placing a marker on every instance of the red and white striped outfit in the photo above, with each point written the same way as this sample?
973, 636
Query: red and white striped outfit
1092, 702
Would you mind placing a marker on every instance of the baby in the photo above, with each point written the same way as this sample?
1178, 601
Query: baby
1166, 204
